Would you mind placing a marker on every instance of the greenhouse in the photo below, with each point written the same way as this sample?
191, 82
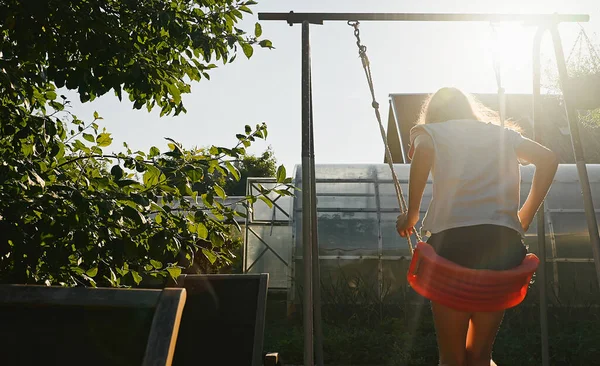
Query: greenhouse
357, 211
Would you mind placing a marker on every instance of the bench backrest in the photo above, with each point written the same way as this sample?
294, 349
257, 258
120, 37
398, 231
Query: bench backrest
223, 320
42, 325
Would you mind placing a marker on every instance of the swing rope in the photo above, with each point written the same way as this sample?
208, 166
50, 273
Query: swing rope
437, 278
498, 73
362, 52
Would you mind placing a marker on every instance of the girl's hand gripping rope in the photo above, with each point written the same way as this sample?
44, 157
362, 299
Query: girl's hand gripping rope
405, 223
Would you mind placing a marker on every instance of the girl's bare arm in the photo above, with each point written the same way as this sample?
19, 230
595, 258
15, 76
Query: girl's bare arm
546, 163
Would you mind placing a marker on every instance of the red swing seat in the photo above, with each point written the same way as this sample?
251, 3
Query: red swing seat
465, 289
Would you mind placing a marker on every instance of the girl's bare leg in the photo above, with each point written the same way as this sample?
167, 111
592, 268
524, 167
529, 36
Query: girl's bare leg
451, 327
481, 335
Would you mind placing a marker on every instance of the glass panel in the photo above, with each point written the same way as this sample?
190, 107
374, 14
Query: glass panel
524, 192
344, 196
394, 285
344, 203
262, 212
338, 171
531, 240
278, 272
393, 243
383, 172
388, 199
565, 195
348, 233
570, 235
279, 238
573, 246
341, 188
343, 280
253, 249
577, 283
572, 223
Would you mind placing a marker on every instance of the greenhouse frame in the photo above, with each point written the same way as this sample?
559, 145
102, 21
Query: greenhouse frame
357, 211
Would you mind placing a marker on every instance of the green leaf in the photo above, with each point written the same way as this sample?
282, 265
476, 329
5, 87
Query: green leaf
92, 272
134, 215
136, 277
175, 92
257, 30
283, 192
126, 182
51, 95
202, 231
266, 200
209, 255
281, 174
97, 116
89, 137
174, 271
152, 176
156, 264
248, 129
265, 43
233, 170
104, 139
154, 151
216, 239
117, 172
78, 145
248, 50
37, 178
219, 191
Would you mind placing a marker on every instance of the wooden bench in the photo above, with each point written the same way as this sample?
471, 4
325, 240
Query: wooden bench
42, 325
223, 322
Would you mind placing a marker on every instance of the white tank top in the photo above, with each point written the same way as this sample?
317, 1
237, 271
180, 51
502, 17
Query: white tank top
476, 175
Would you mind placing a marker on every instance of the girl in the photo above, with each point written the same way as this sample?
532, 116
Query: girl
473, 217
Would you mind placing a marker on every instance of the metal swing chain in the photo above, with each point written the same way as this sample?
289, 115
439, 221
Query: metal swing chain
362, 51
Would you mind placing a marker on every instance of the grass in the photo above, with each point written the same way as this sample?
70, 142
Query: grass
394, 334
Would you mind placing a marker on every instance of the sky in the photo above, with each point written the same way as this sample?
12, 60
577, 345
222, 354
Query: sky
406, 57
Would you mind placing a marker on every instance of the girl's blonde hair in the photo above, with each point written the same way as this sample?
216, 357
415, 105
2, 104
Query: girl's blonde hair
452, 103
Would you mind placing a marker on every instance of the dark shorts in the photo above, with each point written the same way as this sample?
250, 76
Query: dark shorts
480, 246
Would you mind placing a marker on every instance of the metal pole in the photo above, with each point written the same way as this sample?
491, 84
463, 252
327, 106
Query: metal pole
319, 18
572, 119
306, 200
247, 224
541, 232
316, 273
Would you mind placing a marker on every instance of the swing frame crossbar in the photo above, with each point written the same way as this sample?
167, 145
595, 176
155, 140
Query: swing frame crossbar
313, 344
319, 18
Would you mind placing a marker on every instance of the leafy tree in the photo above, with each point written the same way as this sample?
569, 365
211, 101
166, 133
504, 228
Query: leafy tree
146, 48
264, 165
70, 212
583, 65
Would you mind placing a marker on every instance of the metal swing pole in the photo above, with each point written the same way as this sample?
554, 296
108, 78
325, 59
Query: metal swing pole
572, 120
541, 221
316, 267
312, 289
306, 199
